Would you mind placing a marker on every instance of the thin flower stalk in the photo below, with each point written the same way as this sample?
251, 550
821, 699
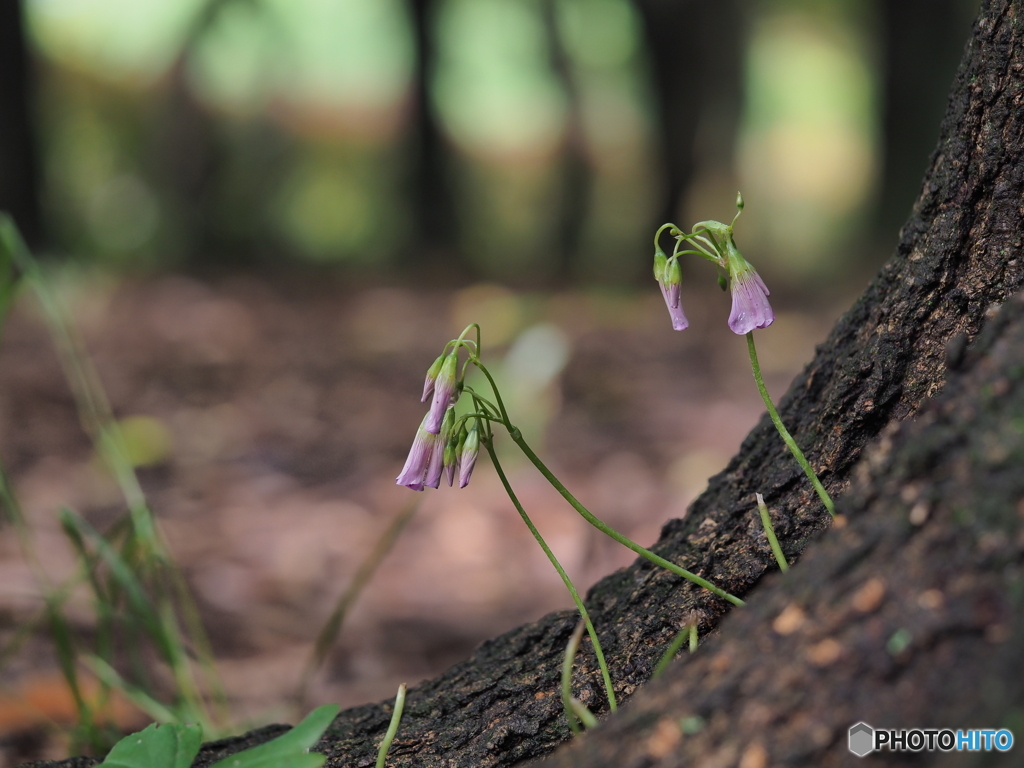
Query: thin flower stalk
517, 438
783, 432
489, 445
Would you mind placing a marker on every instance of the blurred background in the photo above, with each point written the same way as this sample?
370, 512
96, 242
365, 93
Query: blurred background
267, 217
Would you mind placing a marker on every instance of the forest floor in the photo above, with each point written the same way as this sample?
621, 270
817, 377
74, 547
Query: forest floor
274, 416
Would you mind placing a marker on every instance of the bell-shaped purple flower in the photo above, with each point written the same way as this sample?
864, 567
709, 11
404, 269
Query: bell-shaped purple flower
444, 391
415, 470
750, 307
467, 460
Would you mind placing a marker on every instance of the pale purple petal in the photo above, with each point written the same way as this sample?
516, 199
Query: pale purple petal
466, 470
470, 450
436, 464
675, 307
428, 387
416, 464
750, 307
444, 390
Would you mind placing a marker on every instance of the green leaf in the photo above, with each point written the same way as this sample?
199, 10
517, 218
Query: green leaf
158, 746
289, 750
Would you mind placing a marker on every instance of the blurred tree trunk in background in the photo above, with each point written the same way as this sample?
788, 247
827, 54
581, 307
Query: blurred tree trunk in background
923, 42
434, 224
19, 191
695, 49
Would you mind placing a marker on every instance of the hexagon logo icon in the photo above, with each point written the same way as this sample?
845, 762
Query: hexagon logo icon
862, 739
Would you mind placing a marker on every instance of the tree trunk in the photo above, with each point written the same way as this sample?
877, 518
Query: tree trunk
19, 192
909, 617
923, 43
957, 261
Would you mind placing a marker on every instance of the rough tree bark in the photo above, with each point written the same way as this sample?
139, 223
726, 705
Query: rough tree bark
957, 261
911, 616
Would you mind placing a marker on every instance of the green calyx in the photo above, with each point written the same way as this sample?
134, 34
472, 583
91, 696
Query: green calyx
660, 262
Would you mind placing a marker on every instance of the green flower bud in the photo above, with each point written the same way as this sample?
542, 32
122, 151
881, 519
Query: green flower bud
660, 261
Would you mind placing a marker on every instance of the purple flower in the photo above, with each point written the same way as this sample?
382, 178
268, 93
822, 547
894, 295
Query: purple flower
669, 277
416, 465
750, 307
470, 450
436, 464
444, 390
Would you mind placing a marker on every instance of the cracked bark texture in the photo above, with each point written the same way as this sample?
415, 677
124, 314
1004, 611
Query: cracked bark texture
911, 616
957, 261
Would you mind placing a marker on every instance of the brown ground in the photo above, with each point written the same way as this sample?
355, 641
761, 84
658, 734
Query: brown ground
279, 415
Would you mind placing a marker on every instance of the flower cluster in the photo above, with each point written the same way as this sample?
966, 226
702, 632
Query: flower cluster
714, 241
443, 444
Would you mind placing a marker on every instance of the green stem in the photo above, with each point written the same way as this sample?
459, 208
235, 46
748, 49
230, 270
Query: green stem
783, 432
517, 437
587, 515
389, 736
773, 542
489, 444
570, 655
689, 630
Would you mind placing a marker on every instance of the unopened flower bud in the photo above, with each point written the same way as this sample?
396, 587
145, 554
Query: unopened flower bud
660, 261
444, 391
739, 201
451, 440
432, 371
470, 450
671, 277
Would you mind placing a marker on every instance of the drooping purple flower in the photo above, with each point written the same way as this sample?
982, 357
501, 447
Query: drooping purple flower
444, 390
467, 460
415, 470
750, 307
669, 277
436, 464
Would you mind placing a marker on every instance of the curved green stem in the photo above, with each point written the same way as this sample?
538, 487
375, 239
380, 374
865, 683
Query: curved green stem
662, 228
587, 515
489, 444
783, 432
606, 529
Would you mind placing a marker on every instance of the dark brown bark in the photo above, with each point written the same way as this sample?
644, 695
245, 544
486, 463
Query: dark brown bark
957, 260
911, 616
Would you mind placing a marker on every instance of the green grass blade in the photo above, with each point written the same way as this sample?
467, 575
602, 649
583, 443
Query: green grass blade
570, 656
138, 601
396, 718
332, 627
109, 676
